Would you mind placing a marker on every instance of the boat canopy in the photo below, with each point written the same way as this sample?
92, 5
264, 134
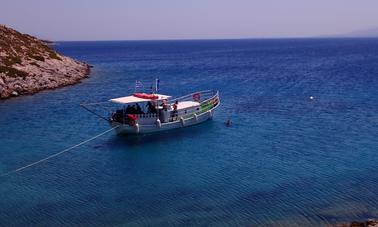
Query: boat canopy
187, 104
134, 99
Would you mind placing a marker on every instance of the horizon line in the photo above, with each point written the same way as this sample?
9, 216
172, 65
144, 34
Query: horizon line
214, 39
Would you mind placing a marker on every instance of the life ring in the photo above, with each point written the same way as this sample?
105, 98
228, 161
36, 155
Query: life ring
146, 96
197, 97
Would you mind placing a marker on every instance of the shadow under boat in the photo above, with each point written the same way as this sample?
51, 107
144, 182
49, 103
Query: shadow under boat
164, 136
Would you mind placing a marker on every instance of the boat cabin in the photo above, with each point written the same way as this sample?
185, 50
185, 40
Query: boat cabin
148, 113
148, 108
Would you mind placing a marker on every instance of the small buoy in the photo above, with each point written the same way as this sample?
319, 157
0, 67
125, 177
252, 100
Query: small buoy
312, 97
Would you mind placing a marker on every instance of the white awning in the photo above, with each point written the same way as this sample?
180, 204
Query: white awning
133, 99
187, 104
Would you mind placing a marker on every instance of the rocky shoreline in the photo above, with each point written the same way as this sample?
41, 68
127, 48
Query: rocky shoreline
368, 223
28, 65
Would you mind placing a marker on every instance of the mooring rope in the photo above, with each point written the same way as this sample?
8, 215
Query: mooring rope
91, 111
56, 154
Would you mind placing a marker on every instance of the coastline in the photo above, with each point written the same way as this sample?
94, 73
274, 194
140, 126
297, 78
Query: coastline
60, 75
368, 223
29, 65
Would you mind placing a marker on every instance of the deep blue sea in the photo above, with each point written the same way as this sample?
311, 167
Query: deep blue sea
287, 160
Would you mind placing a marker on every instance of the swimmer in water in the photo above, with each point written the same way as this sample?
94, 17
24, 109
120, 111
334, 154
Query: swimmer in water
228, 123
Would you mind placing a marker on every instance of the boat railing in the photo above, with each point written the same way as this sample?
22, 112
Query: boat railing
208, 99
212, 98
146, 115
200, 96
106, 111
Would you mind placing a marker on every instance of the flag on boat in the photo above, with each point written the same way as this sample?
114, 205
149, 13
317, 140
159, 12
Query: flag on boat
138, 84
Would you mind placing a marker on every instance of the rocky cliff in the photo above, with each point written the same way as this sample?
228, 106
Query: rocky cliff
28, 65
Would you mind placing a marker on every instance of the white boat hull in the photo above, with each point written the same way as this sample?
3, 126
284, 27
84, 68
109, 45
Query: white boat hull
142, 129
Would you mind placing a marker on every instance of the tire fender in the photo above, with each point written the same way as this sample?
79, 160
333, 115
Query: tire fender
136, 126
158, 123
210, 114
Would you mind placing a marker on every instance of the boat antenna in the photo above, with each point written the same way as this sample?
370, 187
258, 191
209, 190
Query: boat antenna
138, 86
157, 84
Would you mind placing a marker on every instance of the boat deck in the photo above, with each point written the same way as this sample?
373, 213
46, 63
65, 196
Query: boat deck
187, 104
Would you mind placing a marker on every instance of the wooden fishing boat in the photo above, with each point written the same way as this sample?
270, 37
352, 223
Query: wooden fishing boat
148, 113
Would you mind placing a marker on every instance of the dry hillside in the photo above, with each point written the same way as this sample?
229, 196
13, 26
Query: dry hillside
28, 65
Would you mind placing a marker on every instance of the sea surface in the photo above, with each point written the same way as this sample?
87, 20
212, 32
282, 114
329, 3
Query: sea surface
287, 160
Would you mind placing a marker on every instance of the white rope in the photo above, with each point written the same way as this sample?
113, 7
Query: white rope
56, 154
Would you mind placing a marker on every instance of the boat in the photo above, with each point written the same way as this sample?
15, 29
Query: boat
141, 113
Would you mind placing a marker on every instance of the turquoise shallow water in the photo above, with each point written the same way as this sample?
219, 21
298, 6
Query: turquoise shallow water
286, 160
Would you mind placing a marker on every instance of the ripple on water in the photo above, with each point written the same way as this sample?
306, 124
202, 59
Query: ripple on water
285, 161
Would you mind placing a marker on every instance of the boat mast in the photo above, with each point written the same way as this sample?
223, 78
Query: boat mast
157, 82
157, 101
